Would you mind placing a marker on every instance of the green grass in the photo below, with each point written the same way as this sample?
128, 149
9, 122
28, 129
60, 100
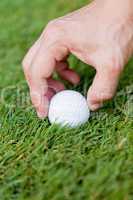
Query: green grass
43, 162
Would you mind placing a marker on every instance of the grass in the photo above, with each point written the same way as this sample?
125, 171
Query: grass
43, 162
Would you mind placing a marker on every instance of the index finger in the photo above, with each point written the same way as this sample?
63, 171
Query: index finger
41, 68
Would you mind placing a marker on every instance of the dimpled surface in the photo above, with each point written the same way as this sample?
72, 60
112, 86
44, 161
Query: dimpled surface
68, 107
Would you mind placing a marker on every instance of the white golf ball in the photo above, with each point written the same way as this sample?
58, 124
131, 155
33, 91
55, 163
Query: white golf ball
68, 107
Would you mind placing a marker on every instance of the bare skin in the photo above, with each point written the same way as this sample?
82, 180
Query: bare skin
99, 34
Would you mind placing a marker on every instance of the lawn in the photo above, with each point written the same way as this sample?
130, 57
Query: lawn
43, 162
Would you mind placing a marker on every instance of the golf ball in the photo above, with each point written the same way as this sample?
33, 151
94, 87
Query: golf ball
69, 108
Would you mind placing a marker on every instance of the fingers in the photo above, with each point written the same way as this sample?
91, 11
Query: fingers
66, 73
103, 88
54, 86
37, 71
39, 65
57, 86
41, 99
31, 53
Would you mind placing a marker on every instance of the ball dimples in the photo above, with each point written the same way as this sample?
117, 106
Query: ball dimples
68, 107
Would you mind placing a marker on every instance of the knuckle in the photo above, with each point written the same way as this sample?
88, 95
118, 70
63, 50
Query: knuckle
115, 64
35, 98
104, 96
101, 97
115, 68
54, 24
54, 28
112, 62
108, 96
51, 27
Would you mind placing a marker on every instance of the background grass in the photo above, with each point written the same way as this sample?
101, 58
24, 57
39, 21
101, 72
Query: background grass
43, 162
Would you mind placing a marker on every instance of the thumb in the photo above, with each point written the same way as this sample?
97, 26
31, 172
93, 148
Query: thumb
103, 87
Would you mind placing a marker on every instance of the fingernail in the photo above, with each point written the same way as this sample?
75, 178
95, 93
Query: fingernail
96, 106
42, 115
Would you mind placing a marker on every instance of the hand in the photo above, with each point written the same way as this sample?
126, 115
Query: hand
95, 36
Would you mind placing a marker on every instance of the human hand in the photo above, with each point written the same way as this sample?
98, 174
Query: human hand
95, 36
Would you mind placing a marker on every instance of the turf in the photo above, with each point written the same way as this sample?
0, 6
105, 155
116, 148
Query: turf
43, 162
